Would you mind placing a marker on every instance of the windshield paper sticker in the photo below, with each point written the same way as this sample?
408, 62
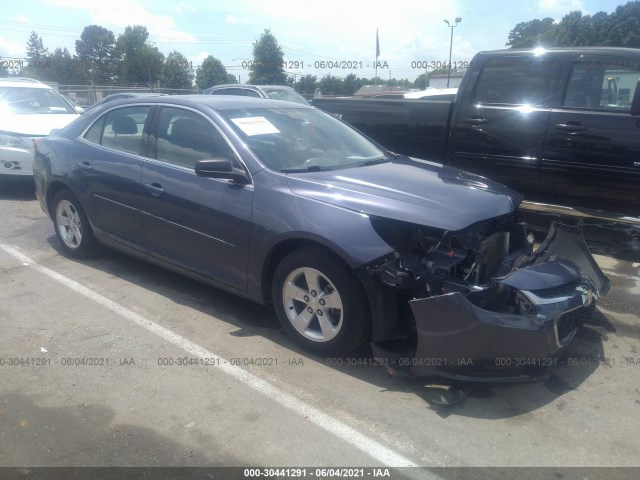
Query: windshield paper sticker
255, 125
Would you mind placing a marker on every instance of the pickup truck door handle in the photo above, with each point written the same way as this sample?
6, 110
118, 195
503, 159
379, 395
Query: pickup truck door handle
155, 189
85, 166
475, 120
571, 127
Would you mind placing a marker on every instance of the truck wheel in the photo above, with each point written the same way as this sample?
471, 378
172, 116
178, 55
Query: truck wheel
72, 226
319, 302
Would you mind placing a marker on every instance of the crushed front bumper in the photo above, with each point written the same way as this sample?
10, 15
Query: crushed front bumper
459, 340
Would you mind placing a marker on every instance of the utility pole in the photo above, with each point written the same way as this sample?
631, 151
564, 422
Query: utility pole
458, 20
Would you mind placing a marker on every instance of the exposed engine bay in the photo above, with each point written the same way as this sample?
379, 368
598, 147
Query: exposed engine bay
484, 293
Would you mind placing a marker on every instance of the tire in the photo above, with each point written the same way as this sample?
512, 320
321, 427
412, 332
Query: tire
332, 322
72, 226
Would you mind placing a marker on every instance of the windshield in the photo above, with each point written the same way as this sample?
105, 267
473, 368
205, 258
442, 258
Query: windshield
302, 139
287, 95
33, 101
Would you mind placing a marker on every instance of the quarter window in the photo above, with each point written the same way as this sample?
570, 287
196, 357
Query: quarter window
515, 80
184, 137
604, 82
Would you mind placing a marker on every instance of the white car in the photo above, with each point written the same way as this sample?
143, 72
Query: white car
433, 94
28, 109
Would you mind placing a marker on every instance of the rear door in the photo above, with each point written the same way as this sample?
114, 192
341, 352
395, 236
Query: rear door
592, 148
110, 156
198, 223
500, 127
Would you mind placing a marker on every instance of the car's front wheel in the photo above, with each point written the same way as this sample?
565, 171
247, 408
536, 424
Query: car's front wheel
72, 226
319, 302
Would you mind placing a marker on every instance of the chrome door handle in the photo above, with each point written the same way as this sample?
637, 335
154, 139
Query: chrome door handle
475, 121
85, 166
155, 188
571, 127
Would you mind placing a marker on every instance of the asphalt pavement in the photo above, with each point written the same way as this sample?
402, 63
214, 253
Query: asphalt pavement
115, 362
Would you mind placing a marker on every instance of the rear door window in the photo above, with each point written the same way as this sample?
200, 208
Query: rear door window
121, 129
602, 83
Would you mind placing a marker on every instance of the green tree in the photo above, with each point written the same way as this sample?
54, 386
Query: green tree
37, 57
306, 84
601, 23
211, 72
231, 78
64, 69
177, 72
330, 85
624, 26
533, 34
421, 81
138, 61
95, 51
621, 28
575, 30
350, 85
267, 61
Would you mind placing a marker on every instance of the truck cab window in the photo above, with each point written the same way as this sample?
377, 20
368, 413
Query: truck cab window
515, 80
603, 82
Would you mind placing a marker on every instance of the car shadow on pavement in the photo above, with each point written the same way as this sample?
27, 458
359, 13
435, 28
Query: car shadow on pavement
584, 355
86, 435
21, 189
249, 317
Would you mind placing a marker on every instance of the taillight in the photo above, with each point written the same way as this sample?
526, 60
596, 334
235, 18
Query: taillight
36, 143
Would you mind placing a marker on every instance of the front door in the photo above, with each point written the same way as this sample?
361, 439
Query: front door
199, 223
500, 128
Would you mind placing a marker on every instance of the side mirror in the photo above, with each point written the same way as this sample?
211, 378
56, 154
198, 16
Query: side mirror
635, 104
221, 168
79, 109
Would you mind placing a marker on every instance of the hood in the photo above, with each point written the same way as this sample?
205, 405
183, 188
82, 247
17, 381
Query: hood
410, 190
36, 125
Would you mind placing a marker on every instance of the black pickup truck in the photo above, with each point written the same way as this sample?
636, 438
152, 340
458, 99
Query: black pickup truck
562, 126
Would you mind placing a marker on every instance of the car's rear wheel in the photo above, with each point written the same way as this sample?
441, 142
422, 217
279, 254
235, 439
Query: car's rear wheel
319, 302
72, 226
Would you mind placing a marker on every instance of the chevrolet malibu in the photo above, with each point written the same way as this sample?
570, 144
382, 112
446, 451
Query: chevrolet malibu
285, 205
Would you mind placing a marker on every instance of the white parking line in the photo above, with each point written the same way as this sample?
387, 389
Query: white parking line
332, 425
620, 275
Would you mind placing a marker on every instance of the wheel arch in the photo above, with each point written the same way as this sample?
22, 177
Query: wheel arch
283, 248
52, 191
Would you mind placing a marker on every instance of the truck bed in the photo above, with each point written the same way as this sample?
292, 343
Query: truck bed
409, 127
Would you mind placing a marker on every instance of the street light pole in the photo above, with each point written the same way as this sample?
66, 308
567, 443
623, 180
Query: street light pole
458, 20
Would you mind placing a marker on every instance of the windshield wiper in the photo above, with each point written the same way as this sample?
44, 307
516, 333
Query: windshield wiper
312, 168
374, 161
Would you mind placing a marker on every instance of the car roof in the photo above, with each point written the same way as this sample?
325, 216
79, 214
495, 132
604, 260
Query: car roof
250, 87
215, 102
135, 94
580, 50
23, 83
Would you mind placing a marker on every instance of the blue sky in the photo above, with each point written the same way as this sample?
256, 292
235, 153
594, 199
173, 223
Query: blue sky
309, 32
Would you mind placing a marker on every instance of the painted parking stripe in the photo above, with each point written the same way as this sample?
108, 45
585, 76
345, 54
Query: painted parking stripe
374, 449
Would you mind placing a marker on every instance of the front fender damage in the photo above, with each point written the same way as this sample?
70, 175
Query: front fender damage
513, 327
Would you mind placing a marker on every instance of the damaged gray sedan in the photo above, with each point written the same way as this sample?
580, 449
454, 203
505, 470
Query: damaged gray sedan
284, 204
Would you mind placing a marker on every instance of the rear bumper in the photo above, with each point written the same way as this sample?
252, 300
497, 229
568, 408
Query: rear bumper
459, 340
